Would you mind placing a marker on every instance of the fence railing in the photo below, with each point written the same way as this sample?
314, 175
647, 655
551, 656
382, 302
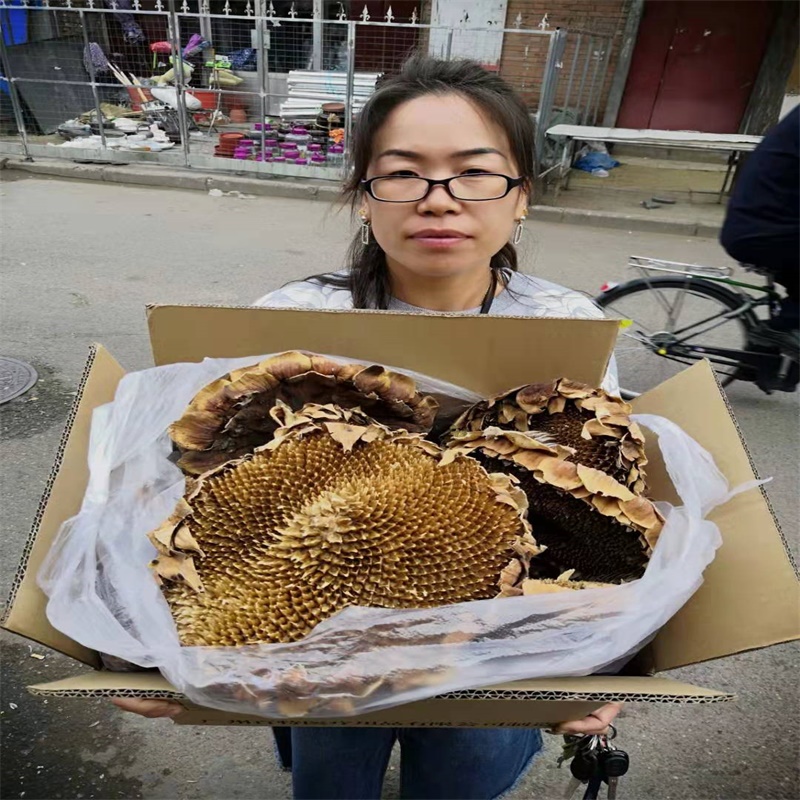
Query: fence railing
95, 79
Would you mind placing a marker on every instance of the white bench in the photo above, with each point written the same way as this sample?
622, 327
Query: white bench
732, 143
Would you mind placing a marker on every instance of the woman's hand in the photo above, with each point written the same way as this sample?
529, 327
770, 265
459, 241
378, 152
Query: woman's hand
148, 708
595, 724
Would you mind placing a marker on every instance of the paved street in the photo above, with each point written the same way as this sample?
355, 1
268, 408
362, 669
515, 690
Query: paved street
80, 261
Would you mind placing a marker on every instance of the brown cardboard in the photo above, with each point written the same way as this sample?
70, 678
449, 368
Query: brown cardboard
61, 500
470, 351
750, 596
728, 615
530, 704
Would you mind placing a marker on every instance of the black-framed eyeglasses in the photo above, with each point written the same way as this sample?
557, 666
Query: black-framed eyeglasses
411, 188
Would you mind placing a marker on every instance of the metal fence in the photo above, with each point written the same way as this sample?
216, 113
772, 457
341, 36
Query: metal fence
582, 67
232, 86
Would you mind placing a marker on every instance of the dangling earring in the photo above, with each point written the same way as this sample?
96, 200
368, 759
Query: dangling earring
518, 230
364, 230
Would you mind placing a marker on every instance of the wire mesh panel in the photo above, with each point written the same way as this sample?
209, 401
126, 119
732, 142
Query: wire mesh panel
212, 84
282, 116
53, 69
384, 48
64, 64
584, 76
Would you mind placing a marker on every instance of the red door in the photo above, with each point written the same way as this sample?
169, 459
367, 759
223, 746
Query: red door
695, 63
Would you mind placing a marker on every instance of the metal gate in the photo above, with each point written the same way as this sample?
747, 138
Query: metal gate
237, 68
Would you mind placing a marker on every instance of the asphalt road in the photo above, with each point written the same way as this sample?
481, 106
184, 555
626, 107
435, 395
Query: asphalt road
80, 261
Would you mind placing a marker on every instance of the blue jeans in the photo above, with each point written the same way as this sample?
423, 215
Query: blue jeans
436, 763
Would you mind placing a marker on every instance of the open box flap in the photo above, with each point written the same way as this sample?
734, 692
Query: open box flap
485, 354
61, 500
750, 596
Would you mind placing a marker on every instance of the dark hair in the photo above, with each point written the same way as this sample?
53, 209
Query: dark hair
367, 277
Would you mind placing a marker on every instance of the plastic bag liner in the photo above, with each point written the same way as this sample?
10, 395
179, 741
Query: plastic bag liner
103, 595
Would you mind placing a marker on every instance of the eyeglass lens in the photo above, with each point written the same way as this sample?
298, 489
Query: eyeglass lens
465, 187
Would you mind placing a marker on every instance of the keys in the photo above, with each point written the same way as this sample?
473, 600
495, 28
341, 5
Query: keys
594, 785
594, 762
569, 748
613, 765
584, 764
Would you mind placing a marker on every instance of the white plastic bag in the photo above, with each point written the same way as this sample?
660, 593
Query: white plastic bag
102, 594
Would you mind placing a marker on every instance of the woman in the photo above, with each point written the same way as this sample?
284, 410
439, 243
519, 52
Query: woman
443, 166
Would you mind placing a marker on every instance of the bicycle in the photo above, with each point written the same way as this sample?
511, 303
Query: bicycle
717, 322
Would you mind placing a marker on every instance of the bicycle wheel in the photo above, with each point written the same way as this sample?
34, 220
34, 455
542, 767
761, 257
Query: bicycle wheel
668, 314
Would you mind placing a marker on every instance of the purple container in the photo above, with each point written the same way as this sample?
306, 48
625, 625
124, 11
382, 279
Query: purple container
241, 156
300, 131
270, 142
301, 161
318, 159
278, 158
315, 147
287, 146
246, 142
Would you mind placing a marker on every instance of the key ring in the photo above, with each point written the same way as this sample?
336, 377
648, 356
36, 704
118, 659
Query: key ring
612, 732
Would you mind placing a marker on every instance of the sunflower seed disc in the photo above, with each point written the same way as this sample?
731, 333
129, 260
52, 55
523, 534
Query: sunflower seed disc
16, 377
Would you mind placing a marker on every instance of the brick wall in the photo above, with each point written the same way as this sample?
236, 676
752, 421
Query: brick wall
598, 16
524, 56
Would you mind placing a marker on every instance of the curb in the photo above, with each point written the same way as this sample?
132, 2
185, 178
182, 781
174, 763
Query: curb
138, 175
626, 222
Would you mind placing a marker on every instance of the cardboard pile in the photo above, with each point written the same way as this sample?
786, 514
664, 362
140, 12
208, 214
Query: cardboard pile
750, 597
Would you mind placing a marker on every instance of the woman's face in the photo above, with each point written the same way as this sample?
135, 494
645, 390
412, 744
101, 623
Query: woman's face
439, 136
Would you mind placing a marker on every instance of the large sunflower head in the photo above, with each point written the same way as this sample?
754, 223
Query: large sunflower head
231, 416
579, 459
336, 510
593, 424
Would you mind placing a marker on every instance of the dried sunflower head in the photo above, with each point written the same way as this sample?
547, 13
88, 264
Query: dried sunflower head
335, 511
230, 417
579, 459
595, 425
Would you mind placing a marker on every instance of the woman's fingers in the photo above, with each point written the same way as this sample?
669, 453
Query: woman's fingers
148, 708
595, 724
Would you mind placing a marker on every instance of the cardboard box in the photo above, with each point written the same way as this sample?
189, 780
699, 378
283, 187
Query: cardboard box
750, 597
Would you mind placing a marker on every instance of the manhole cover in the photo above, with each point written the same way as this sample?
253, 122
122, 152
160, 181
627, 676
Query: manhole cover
16, 377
